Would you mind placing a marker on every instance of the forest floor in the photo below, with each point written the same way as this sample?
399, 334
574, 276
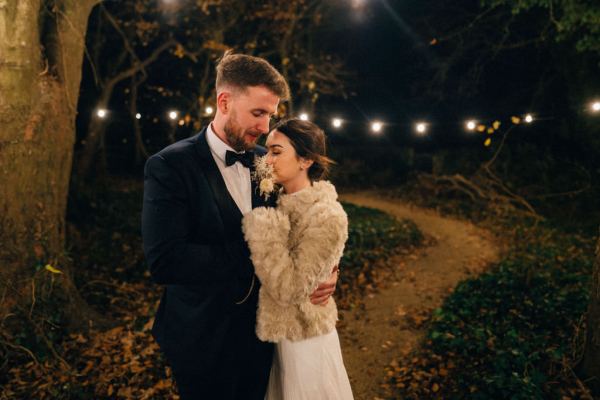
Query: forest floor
392, 320
392, 286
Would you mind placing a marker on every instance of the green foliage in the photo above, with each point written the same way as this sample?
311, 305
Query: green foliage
373, 234
510, 331
572, 19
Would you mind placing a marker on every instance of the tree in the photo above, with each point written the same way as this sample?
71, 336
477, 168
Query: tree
41, 53
567, 19
124, 37
130, 27
287, 33
548, 51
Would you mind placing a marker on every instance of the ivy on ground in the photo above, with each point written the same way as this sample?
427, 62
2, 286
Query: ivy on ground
514, 332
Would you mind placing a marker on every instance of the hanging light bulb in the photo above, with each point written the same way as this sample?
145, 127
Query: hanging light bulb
376, 126
421, 128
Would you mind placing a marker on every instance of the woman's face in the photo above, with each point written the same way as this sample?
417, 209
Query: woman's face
287, 166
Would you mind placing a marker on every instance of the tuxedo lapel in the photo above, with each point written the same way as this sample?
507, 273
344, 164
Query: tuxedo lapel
230, 213
257, 200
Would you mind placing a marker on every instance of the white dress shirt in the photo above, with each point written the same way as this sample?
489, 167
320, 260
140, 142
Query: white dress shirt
236, 176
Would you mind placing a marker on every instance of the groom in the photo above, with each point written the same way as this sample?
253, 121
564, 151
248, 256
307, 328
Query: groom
195, 194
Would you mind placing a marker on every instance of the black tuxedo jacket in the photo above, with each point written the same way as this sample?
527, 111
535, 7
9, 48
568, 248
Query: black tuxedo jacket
194, 246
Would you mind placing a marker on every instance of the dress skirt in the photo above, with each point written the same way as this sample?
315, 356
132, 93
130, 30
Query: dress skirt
310, 369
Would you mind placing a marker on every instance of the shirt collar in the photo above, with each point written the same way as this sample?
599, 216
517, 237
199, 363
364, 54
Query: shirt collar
217, 146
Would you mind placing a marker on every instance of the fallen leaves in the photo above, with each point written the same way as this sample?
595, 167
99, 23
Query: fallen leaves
415, 376
50, 268
125, 362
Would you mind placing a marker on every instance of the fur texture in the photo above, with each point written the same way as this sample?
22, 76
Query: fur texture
293, 248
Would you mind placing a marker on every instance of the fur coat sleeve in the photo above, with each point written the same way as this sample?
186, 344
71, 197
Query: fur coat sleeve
290, 260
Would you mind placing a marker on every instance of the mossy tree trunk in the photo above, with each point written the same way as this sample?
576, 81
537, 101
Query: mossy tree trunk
41, 53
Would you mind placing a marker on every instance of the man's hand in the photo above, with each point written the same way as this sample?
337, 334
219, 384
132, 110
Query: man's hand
325, 289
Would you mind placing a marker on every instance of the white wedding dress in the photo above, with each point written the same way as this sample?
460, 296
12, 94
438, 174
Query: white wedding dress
310, 369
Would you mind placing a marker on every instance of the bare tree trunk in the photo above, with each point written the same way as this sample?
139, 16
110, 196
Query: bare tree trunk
38, 99
96, 131
140, 152
205, 91
94, 140
589, 368
172, 132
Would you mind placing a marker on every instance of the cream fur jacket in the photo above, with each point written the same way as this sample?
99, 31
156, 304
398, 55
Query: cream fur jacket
294, 247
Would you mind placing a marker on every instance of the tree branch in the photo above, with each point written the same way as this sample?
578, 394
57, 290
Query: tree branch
141, 66
117, 28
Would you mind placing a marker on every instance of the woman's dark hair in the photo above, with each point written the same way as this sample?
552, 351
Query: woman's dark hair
309, 142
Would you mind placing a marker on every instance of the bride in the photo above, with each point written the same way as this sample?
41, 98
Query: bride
293, 247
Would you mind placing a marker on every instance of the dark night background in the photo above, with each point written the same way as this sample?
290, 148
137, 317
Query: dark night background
399, 75
402, 62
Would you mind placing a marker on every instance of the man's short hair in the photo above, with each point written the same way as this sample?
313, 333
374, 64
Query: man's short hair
241, 71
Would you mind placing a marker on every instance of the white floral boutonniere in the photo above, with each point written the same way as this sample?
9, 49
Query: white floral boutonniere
263, 175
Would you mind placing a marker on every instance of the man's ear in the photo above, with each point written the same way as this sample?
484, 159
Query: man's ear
224, 101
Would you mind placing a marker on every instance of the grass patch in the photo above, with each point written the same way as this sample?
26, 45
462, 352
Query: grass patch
374, 234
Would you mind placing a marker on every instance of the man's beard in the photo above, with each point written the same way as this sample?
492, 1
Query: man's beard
235, 136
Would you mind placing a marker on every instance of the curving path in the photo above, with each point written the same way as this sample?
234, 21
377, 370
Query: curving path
391, 324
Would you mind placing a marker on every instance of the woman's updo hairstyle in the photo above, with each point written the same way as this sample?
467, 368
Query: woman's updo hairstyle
309, 142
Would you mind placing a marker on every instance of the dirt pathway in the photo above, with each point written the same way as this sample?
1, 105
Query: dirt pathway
390, 326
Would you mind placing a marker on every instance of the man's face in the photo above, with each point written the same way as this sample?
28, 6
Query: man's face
249, 116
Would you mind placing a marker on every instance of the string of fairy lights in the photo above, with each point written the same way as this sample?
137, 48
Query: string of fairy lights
377, 127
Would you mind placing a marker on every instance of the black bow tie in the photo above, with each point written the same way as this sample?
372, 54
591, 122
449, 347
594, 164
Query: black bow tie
246, 158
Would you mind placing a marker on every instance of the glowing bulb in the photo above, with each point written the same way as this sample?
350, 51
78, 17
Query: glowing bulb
421, 128
596, 106
101, 113
471, 125
208, 110
304, 117
529, 118
358, 3
173, 115
376, 126
138, 116
336, 122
